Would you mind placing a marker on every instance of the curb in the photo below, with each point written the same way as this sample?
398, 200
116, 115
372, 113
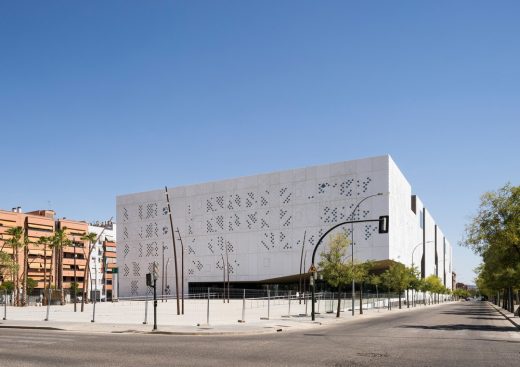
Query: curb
510, 319
30, 327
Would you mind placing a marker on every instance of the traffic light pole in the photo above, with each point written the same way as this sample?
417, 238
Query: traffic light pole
155, 303
383, 228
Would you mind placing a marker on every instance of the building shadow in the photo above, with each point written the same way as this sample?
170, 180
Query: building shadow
457, 327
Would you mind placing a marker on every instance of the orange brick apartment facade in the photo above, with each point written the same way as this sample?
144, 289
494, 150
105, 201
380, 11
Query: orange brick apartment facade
42, 223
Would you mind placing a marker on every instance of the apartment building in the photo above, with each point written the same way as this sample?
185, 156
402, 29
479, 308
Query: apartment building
42, 263
103, 262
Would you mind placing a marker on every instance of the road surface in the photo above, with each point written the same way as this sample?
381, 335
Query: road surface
458, 334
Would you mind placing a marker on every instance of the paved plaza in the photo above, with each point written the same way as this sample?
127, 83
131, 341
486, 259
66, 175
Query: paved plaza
258, 315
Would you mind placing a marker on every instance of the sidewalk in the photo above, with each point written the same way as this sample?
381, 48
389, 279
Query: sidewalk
515, 320
182, 326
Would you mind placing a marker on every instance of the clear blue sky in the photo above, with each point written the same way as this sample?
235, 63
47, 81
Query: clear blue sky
100, 98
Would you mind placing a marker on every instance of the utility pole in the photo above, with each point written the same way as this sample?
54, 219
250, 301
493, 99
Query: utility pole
182, 269
301, 264
174, 250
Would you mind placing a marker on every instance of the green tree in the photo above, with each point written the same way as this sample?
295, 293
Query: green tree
494, 233
361, 274
59, 240
376, 281
433, 285
91, 238
74, 289
414, 276
333, 265
397, 279
8, 286
45, 241
7, 265
15, 242
31, 284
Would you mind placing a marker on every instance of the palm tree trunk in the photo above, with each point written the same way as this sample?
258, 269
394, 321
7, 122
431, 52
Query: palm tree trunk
60, 271
44, 270
17, 278
25, 270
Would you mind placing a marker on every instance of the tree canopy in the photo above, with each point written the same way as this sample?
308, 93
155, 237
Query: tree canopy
494, 234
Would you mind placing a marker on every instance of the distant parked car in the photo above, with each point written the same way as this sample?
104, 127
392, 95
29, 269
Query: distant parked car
466, 299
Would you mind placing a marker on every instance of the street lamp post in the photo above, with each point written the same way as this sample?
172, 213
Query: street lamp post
383, 228
352, 246
166, 278
413, 251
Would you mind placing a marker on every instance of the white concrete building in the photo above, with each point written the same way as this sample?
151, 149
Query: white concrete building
99, 263
261, 222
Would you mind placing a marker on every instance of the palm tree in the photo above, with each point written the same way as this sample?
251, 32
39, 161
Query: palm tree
15, 241
59, 240
25, 245
91, 238
45, 242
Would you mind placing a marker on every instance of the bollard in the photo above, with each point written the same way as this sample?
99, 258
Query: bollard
94, 310
289, 313
5, 305
48, 305
146, 310
268, 304
244, 307
207, 314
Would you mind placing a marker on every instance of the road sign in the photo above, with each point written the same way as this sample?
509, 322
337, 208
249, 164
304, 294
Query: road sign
312, 269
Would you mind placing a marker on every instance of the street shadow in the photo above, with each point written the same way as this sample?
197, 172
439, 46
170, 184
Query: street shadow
498, 317
470, 312
457, 327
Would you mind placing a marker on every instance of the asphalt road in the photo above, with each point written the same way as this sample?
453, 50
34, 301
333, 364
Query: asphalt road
463, 334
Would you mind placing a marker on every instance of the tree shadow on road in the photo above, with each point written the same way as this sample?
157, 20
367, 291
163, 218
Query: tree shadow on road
470, 312
456, 327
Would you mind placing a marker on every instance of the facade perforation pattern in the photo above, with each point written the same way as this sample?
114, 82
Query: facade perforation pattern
152, 249
136, 270
134, 288
220, 221
151, 211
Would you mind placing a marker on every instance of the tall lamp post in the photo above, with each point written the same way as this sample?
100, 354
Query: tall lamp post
413, 251
166, 279
352, 246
